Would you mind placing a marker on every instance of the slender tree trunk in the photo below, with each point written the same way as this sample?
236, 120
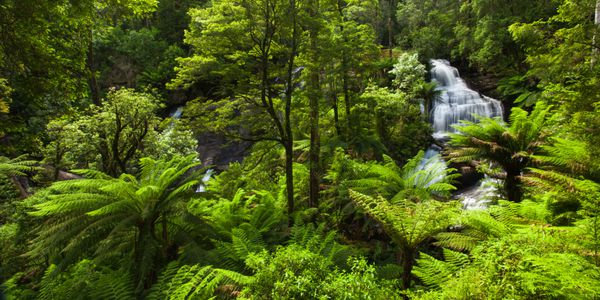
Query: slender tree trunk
347, 100
390, 25
390, 35
289, 178
94, 88
596, 28
336, 116
23, 193
345, 79
288, 139
314, 97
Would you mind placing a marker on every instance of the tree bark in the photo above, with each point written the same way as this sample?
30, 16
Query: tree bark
345, 79
23, 192
288, 138
407, 261
94, 88
314, 97
596, 27
289, 179
512, 186
336, 115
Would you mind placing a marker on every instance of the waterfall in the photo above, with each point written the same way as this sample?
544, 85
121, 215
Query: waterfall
176, 115
456, 102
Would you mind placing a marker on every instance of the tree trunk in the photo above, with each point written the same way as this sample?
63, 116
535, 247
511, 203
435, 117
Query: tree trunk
407, 260
288, 138
94, 88
344, 70
22, 187
314, 97
289, 178
142, 279
596, 28
336, 115
512, 186
390, 35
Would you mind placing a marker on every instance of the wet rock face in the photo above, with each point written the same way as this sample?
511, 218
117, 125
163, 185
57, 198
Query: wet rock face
218, 151
469, 175
215, 150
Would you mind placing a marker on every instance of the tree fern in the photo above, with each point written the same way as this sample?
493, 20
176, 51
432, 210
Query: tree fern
18, 166
196, 282
245, 240
509, 146
320, 241
413, 180
113, 286
433, 272
408, 223
132, 214
477, 226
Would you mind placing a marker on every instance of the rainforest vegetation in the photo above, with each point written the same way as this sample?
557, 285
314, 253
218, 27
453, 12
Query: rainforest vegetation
299, 149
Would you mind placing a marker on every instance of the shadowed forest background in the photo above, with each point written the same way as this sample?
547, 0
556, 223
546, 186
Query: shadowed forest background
299, 149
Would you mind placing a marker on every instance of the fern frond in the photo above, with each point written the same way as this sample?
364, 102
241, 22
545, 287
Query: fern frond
113, 286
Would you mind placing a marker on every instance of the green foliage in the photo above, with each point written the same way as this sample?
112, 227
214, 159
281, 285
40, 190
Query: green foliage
394, 117
406, 222
196, 282
18, 166
291, 273
83, 280
133, 226
482, 32
135, 57
110, 218
296, 273
427, 26
477, 226
435, 272
418, 179
248, 222
533, 262
360, 283
408, 72
42, 62
412, 181
10, 263
320, 241
116, 135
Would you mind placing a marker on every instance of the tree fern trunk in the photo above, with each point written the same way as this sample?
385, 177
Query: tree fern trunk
512, 186
407, 260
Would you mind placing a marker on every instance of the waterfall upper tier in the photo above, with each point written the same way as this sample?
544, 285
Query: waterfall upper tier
456, 101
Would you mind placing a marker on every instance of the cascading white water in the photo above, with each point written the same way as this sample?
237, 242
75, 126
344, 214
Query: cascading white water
456, 102
176, 115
